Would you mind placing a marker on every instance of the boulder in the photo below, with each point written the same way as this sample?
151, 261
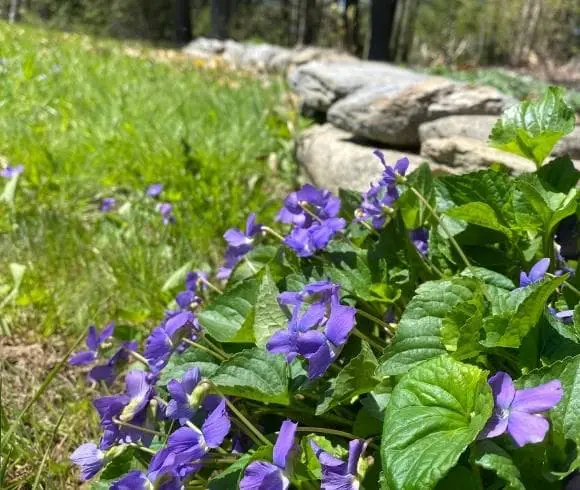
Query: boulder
319, 84
468, 154
205, 45
233, 52
569, 145
258, 56
333, 160
478, 127
393, 115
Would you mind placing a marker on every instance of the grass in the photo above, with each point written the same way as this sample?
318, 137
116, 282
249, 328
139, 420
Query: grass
95, 118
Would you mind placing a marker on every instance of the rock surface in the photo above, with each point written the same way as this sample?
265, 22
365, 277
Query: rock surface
333, 160
320, 84
569, 145
468, 154
393, 116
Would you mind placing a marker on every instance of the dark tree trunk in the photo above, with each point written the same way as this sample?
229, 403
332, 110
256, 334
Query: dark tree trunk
14, 12
220, 18
286, 14
183, 30
307, 31
382, 22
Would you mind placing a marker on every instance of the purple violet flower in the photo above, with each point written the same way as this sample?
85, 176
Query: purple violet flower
188, 445
108, 372
154, 190
318, 328
194, 284
94, 342
130, 406
518, 412
537, 273
166, 211
336, 473
107, 204
184, 402
165, 339
262, 475
313, 212
378, 201
239, 244
420, 238
137, 480
565, 316
90, 459
10, 172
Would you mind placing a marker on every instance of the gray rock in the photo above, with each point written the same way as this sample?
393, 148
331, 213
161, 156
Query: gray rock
205, 45
320, 84
569, 145
258, 56
333, 160
233, 52
393, 116
470, 154
478, 127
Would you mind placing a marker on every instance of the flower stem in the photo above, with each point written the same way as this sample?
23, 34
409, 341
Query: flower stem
376, 320
215, 347
139, 358
210, 285
272, 232
142, 448
366, 338
241, 416
566, 283
332, 432
204, 348
250, 265
137, 427
440, 222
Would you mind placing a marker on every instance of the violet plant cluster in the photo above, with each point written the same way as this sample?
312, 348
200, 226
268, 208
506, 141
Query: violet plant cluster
398, 349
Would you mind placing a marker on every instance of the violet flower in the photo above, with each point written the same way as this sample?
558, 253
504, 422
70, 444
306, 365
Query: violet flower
420, 238
184, 400
130, 406
262, 475
537, 273
336, 473
108, 372
166, 211
94, 341
10, 172
107, 204
565, 316
518, 412
154, 190
137, 480
194, 285
165, 339
89, 458
379, 200
239, 244
188, 445
313, 212
318, 328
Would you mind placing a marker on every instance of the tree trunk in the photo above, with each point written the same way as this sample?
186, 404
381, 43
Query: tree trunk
307, 30
350, 18
382, 22
183, 29
286, 14
407, 31
220, 18
14, 12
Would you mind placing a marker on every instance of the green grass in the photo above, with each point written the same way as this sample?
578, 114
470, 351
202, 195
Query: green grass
89, 120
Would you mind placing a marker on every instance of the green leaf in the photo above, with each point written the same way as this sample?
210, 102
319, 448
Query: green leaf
419, 334
490, 456
489, 277
437, 410
269, 318
230, 477
523, 310
413, 210
356, 378
350, 201
177, 278
179, 364
531, 129
230, 317
254, 374
565, 416
480, 214
253, 263
9, 191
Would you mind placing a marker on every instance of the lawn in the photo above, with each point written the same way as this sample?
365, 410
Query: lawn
91, 119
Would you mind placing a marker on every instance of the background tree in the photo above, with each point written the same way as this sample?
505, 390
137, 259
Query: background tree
382, 21
220, 18
307, 25
183, 29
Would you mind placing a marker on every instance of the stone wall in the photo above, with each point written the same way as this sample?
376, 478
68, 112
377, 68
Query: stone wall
369, 105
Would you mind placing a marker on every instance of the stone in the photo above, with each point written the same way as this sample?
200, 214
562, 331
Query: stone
469, 154
233, 53
319, 84
205, 45
478, 127
569, 145
333, 160
258, 56
392, 115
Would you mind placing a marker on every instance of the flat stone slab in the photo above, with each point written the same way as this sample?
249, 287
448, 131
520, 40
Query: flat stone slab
393, 115
468, 154
333, 160
320, 84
